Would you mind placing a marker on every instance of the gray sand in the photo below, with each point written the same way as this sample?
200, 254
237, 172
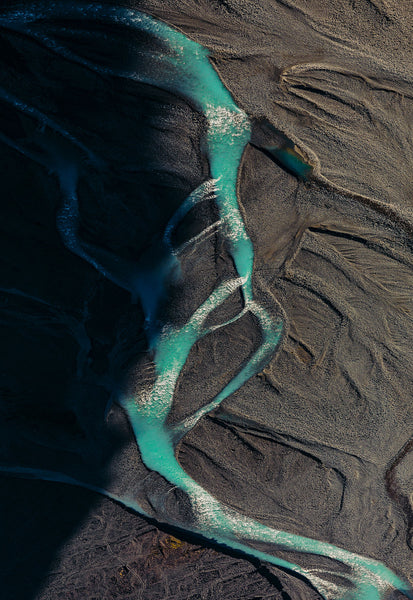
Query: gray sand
318, 443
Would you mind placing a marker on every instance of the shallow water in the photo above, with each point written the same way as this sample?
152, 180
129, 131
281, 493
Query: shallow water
189, 73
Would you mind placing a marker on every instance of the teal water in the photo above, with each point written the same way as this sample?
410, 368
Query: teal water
187, 71
292, 161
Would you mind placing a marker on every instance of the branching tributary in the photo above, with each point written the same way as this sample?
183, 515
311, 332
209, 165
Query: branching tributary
186, 71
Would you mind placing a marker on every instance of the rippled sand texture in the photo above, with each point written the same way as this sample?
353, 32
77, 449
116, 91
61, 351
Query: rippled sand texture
318, 442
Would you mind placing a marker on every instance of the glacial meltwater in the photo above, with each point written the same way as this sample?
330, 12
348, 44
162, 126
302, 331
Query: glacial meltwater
187, 71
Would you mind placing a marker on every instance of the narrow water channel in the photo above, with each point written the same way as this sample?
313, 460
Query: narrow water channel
187, 71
